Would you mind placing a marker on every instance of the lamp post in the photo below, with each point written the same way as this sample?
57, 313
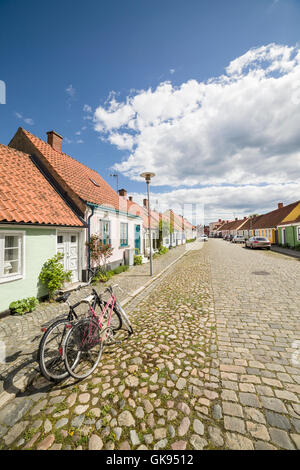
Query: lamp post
148, 177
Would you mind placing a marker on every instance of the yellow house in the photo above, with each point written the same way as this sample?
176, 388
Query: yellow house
266, 225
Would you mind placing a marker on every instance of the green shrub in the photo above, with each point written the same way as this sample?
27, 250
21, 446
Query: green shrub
138, 259
53, 275
190, 240
24, 306
120, 269
163, 250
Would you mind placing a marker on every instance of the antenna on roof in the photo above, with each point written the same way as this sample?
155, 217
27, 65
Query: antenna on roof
115, 175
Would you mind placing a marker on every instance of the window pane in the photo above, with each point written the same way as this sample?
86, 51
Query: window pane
11, 254
11, 267
11, 241
73, 238
60, 239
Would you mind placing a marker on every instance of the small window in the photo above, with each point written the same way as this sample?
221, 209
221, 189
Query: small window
11, 256
60, 239
105, 232
298, 233
124, 234
73, 239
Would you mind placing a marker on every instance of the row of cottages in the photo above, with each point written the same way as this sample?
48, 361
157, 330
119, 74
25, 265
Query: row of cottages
175, 228
280, 226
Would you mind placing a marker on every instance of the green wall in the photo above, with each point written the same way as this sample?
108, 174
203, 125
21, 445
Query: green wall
40, 245
290, 235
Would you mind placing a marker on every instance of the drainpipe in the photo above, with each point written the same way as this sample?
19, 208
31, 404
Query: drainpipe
89, 231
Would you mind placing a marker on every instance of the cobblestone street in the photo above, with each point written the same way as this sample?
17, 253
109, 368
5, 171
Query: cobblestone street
212, 364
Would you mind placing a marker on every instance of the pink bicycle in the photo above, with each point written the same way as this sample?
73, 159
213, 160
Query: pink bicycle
83, 345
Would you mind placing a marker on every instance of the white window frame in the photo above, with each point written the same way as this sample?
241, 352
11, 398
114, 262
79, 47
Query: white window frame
21, 245
298, 233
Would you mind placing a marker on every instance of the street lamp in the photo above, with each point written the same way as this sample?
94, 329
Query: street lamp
148, 177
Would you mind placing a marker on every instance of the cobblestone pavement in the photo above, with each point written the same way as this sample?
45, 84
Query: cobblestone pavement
208, 367
257, 306
21, 335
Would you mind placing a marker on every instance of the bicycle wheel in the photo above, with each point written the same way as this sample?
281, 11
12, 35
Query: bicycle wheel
50, 353
83, 348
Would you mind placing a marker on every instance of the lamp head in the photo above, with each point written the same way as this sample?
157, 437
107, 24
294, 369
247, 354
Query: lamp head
147, 176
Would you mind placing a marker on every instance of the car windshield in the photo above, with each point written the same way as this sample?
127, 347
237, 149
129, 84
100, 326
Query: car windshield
261, 239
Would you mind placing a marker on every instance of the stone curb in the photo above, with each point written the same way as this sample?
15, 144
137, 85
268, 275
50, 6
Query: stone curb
26, 380
286, 252
148, 283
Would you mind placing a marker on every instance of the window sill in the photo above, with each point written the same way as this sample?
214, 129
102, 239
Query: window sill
5, 280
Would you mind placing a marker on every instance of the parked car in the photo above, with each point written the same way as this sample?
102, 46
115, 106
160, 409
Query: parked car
203, 238
238, 239
258, 242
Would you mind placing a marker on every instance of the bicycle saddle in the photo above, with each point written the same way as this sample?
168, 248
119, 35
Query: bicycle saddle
64, 297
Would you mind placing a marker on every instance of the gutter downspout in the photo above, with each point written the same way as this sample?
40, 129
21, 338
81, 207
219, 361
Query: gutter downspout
89, 231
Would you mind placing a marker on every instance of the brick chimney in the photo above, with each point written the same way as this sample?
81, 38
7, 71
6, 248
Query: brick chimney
55, 140
145, 203
123, 192
280, 205
130, 198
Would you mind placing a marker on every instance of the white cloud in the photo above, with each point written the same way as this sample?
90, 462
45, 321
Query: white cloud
87, 108
172, 71
240, 129
28, 121
226, 202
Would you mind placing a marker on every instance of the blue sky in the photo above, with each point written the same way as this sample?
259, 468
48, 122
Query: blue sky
57, 58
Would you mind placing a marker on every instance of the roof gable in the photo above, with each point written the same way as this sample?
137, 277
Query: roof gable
83, 181
26, 196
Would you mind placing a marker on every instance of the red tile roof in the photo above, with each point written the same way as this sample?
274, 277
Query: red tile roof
86, 183
26, 196
274, 218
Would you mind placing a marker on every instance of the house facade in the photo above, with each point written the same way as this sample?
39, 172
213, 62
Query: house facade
33, 217
289, 229
103, 210
266, 225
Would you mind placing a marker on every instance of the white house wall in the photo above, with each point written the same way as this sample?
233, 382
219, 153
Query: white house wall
115, 220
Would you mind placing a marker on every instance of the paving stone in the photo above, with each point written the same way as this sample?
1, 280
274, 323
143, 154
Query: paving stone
281, 439
249, 399
232, 409
277, 420
95, 442
259, 431
273, 404
197, 442
179, 445
237, 442
216, 436
232, 423
198, 427
184, 426
15, 432
46, 443
126, 419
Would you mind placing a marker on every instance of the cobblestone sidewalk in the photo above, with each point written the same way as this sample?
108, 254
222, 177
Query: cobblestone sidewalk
21, 335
